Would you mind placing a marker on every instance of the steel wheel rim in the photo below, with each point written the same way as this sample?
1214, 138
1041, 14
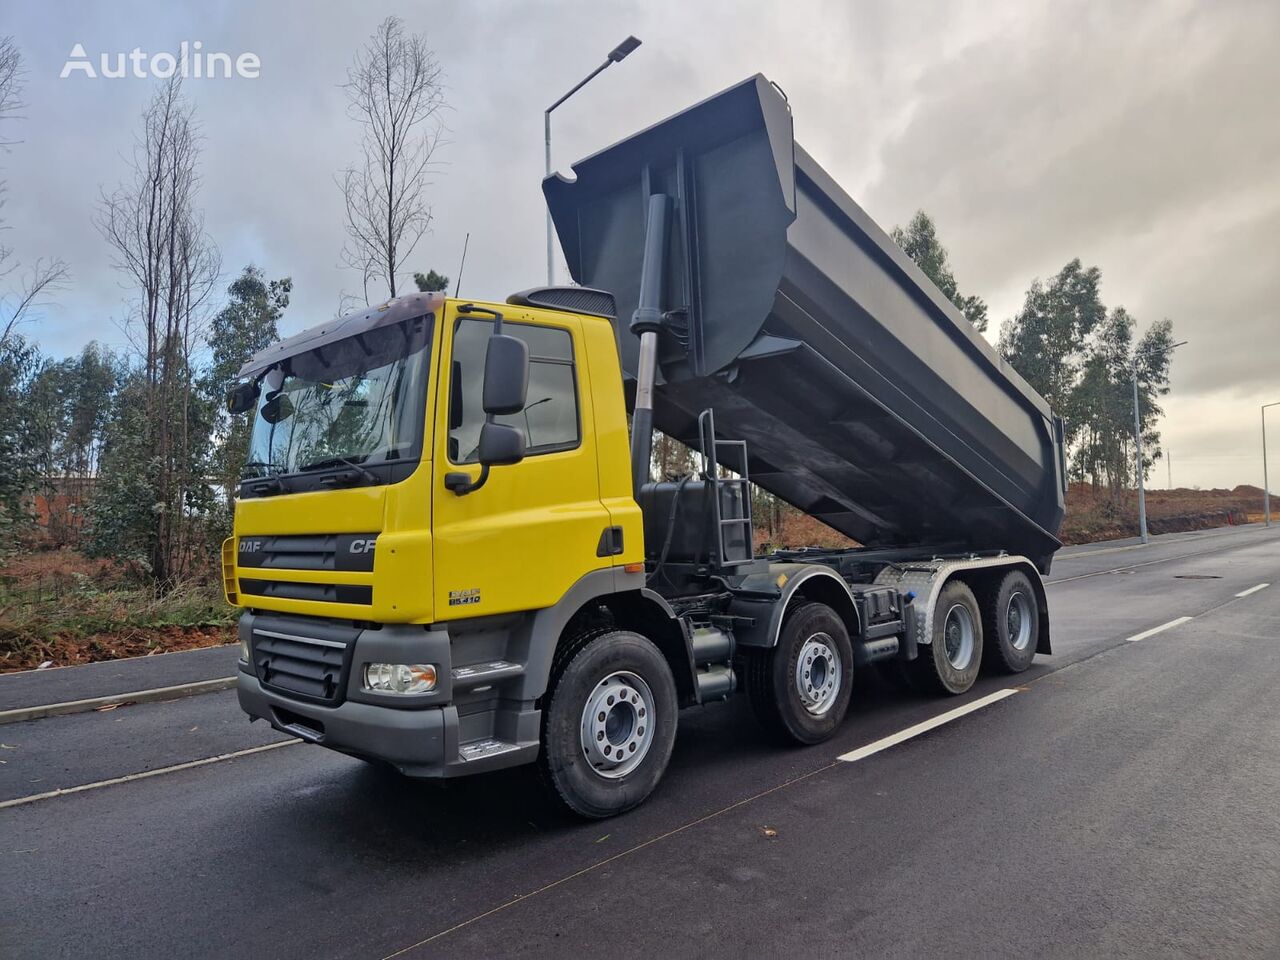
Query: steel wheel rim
1018, 620
617, 724
959, 636
818, 674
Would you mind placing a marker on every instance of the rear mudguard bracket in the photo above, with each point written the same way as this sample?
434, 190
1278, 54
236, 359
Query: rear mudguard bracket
924, 580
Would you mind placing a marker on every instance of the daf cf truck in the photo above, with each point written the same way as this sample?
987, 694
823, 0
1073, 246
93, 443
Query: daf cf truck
452, 556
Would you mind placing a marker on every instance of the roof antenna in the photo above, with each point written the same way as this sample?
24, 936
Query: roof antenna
458, 286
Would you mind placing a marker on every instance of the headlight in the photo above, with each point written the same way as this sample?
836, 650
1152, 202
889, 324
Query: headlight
244, 651
400, 677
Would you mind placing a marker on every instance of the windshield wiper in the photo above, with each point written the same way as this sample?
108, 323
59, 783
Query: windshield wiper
269, 469
327, 462
264, 485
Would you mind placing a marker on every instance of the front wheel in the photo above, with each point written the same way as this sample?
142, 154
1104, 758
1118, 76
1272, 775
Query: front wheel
609, 724
800, 689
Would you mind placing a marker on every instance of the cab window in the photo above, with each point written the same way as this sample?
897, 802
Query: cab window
549, 421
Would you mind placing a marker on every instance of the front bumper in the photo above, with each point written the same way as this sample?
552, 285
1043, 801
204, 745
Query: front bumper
461, 728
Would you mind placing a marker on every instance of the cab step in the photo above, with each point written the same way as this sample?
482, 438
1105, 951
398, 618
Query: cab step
485, 748
484, 674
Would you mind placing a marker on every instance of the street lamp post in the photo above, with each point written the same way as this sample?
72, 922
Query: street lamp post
616, 55
1137, 441
1266, 488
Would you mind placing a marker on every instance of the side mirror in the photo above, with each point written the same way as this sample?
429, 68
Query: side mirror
506, 375
277, 408
500, 445
242, 396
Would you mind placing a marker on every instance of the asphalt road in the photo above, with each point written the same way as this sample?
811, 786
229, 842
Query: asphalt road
1125, 801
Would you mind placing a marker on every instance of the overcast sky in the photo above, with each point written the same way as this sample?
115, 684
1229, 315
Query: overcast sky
1141, 137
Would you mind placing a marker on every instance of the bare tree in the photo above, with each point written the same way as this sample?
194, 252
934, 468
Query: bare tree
394, 91
10, 84
10, 105
36, 283
159, 242
46, 275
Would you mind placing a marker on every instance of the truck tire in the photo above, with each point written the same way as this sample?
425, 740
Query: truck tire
950, 662
1011, 623
800, 689
608, 723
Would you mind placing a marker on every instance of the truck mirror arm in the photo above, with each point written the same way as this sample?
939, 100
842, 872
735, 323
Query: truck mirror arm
462, 484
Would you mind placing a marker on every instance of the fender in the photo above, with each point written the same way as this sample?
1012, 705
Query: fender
927, 579
535, 643
765, 597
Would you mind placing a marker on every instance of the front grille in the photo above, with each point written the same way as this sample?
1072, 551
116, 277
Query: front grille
313, 551
311, 667
316, 592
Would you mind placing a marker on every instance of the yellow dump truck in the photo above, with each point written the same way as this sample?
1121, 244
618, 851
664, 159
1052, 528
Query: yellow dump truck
453, 558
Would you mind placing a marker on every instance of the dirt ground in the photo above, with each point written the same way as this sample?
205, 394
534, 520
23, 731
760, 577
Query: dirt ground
60, 608
1092, 516
69, 651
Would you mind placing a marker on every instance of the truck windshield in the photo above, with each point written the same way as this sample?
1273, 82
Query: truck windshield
356, 401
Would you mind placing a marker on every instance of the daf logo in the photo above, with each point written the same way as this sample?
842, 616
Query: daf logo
362, 546
250, 546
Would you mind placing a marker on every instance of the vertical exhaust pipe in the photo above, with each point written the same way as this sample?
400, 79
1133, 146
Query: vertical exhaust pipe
645, 323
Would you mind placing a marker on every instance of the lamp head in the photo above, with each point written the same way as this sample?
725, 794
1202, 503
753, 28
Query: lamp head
619, 53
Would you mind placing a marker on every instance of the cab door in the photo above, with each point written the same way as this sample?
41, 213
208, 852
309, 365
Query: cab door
522, 539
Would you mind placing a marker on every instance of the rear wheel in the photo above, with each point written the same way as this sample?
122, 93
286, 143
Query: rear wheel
609, 723
800, 689
950, 662
1011, 623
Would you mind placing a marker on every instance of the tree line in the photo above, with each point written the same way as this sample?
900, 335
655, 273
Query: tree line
1077, 354
130, 453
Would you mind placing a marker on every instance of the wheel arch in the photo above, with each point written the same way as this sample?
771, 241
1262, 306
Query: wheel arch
600, 598
649, 615
792, 583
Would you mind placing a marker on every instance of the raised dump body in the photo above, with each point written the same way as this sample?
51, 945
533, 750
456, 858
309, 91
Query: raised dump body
866, 399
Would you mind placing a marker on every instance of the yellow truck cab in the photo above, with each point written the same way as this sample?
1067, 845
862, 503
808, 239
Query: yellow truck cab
391, 615
451, 553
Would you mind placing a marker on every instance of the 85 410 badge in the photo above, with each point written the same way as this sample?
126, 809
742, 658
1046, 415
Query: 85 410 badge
464, 598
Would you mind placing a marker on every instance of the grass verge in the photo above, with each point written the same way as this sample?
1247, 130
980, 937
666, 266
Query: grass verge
59, 608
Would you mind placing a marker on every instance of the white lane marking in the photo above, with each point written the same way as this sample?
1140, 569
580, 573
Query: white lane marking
896, 738
1154, 630
19, 801
1245, 593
